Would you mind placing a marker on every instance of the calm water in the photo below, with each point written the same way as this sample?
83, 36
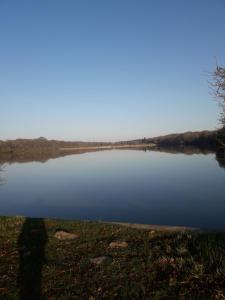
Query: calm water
119, 185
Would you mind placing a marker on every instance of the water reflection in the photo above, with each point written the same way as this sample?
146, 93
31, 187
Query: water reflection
220, 157
169, 185
1, 174
189, 150
9, 158
43, 156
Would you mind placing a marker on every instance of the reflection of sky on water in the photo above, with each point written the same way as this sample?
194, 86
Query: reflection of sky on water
131, 186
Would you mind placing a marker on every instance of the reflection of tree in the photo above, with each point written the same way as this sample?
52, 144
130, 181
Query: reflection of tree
189, 150
1, 169
220, 157
41, 156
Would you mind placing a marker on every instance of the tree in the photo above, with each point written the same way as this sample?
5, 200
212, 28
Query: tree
218, 86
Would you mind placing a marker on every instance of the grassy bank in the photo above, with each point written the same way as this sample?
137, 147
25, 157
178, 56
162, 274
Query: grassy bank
103, 261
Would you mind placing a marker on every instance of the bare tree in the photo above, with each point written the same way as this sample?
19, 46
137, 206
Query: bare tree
218, 86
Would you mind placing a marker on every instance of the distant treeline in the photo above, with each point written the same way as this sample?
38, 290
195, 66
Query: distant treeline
41, 149
202, 138
41, 145
198, 138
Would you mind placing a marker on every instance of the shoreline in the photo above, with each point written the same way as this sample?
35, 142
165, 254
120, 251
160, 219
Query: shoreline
161, 228
141, 226
109, 147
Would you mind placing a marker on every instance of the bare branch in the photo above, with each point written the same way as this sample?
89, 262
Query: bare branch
218, 89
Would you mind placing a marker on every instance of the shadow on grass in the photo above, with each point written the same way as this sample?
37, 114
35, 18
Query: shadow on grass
31, 244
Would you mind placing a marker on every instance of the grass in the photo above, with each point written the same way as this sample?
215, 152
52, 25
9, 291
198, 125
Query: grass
154, 265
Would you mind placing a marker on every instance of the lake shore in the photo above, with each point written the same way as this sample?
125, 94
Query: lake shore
160, 228
201, 139
56, 259
109, 147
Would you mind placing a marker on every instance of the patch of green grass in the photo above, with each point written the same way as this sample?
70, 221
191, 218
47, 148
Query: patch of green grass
154, 265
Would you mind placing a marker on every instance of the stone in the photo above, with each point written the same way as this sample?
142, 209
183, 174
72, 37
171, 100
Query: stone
63, 235
152, 233
99, 260
118, 244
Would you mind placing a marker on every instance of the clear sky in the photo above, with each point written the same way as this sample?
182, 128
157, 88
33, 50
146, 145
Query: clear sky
108, 69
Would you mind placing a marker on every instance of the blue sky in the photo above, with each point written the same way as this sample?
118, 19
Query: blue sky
108, 69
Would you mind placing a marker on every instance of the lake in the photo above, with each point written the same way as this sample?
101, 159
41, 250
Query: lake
119, 185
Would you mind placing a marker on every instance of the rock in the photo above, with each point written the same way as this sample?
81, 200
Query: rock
118, 244
99, 260
152, 233
63, 235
